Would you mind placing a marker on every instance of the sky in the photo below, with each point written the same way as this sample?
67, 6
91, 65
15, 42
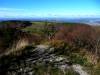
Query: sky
49, 8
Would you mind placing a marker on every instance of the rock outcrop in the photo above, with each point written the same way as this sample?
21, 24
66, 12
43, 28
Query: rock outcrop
34, 59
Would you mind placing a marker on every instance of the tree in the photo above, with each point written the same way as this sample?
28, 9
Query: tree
49, 30
77, 35
14, 24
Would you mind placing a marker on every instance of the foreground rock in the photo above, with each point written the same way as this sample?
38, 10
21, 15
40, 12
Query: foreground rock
35, 60
78, 68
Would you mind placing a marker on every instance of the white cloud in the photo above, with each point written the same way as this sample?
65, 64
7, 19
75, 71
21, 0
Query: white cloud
21, 13
11, 9
11, 12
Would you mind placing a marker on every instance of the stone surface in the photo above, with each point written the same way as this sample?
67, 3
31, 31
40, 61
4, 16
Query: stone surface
27, 63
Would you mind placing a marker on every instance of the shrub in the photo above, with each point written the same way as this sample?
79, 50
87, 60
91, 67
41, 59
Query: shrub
77, 59
81, 36
63, 48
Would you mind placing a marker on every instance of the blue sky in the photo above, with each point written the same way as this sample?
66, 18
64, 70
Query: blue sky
49, 8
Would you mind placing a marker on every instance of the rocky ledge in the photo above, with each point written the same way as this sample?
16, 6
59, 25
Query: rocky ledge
40, 60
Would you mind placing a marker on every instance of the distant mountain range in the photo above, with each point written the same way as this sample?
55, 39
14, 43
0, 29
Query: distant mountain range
90, 21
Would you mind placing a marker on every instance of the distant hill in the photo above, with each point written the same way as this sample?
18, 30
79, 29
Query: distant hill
90, 21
